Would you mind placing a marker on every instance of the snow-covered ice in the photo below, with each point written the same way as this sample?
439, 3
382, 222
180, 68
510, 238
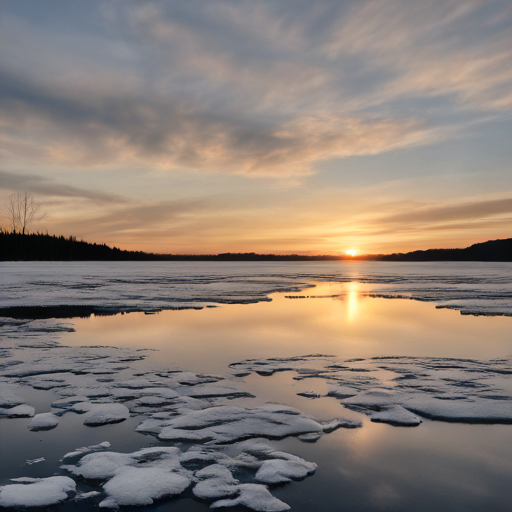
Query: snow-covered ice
9, 393
84, 450
336, 423
101, 414
20, 411
39, 493
447, 389
105, 385
228, 424
280, 471
255, 497
153, 286
140, 486
213, 391
395, 415
215, 481
143, 476
29, 462
43, 421
86, 495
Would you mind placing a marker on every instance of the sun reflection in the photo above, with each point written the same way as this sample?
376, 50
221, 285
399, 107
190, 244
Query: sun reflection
352, 301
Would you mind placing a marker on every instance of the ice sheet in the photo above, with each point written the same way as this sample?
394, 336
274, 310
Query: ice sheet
471, 287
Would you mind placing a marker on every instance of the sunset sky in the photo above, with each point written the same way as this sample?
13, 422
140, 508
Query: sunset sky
282, 126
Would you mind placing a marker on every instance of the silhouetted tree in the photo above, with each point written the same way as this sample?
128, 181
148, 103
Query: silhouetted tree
11, 207
22, 210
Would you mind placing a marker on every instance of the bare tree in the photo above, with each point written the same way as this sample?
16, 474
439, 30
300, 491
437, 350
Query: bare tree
13, 213
22, 210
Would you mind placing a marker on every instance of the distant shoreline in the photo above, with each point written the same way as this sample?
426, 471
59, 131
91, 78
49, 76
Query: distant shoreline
44, 247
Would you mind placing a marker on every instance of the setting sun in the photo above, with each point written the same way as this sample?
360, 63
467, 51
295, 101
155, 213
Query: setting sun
351, 252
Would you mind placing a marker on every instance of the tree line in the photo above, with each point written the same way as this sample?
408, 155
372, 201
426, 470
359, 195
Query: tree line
21, 210
44, 247
16, 246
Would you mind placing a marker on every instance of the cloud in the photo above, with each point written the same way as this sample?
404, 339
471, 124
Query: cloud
431, 49
246, 88
134, 130
48, 187
446, 214
135, 220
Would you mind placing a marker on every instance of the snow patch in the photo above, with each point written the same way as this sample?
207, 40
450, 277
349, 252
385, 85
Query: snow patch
84, 450
40, 493
228, 424
43, 421
139, 478
103, 414
138, 486
20, 411
253, 496
395, 415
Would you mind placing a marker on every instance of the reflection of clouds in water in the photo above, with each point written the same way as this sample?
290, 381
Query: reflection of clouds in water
384, 495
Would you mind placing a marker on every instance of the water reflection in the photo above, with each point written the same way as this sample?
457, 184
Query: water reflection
352, 325
437, 466
352, 302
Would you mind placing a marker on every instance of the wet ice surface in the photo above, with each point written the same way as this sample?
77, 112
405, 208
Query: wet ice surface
104, 385
471, 287
205, 430
198, 414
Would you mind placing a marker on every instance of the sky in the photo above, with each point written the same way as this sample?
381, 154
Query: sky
272, 126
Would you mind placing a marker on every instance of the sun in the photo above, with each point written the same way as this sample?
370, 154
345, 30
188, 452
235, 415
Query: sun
351, 252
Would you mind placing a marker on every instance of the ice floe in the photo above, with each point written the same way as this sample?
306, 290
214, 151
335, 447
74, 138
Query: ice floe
149, 474
335, 424
228, 424
141, 485
447, 389
38, 493
395, 415
215, 481
255, 497
43, 421
101, 414
279, 467
86, 495
84, 450
29, 462
20, 411
9, 393
214, 391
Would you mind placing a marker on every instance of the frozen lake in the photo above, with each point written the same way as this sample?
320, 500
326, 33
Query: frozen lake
453, 375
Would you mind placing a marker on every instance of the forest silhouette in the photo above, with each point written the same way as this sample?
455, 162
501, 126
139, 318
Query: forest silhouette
44, 247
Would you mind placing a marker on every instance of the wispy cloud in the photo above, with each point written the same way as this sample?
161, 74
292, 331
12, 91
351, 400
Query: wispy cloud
445, 214
10, 181
248, 88
136, 221
126, 130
